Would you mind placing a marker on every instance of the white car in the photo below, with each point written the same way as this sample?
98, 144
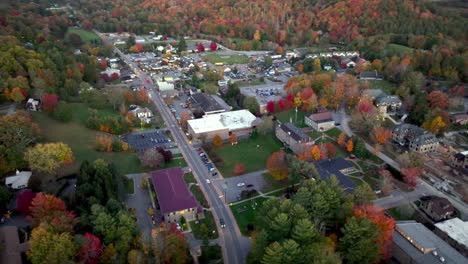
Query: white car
240, 184
208, 181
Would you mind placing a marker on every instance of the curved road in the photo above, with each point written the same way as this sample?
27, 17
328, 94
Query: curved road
235, 246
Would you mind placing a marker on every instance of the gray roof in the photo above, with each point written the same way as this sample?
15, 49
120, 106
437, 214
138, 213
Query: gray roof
295, 132
206, 102
434, 248
369, 75
384, 98
426, 138
327, 167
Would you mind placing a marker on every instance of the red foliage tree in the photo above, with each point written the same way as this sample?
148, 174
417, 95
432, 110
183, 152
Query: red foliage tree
49, 102
142, 96
90, 250
306, 93
213, 46
103, 64
139, 47
114, 76
167, 154
282, 104
438, 99
364, 106
384, 223
411, 175
290, 100
201, 48
239, 168
43, 205
270, 107
331, 150
277, 165
23, 201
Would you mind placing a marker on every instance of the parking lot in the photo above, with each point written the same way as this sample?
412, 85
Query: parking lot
250, 181
143, 140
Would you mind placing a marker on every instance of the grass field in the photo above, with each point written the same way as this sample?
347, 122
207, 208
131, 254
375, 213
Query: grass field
384, 85
85, 35
81, 140
334, 133
247, 152
129, 185
209, 223
245, 213
177, 161
228, 60
399, 49
289, 115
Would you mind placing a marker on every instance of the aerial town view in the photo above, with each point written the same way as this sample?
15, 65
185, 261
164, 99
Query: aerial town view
237, 132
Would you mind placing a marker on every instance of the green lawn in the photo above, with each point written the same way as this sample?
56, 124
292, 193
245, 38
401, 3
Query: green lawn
245, 213
189, 178
384, 85
81, 140
250, 83
86, 36
334, 133
399, 49
129, 185
81, 112
247, 152
289, 115
227, 60
402, 212
210, 224
196, 191
177, 161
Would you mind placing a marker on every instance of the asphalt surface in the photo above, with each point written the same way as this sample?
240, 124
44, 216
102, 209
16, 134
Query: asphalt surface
141, 202
235, 246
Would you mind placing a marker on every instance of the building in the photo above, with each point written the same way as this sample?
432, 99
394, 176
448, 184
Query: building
455, 232
12, 247
437, 208
240, 122
264, 94
338, 167
389, 103
174, 198
412, 242
320, 121
371, 94
142, 113
33, 105
166, 88
459, 119
369, 75
293, 138
416, 138
19, 181
205, 103
460, 160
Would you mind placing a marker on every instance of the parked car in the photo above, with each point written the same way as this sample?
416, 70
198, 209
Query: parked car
208, 181
214, 174
221, 222
241, 184
249, 185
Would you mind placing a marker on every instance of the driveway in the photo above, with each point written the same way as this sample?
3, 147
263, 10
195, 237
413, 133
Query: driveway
140, 200
233, 191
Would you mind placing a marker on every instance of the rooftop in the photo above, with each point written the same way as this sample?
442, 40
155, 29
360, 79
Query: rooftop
231, 120
327, 167
206, 102
20, 180
456, 229
321, 117
295, 132
173, 194
423, 246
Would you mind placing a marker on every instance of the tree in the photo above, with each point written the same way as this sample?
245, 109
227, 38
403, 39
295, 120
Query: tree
152, 158
213, 46
239, 168
359, 241
300, 169
341, 139
167, 154
181, 46
315, 152
331, 150
184, 117
50, 247
270, 107
142, 96
49, 157
217, 141
251, 104
63, 112
438, 99
363, 194
233, 139
410, 159
23, 201
282, 104
17, 94
90, 250
171, 245
266, 126
49, 102
257, 36
381, 135
45, 205
350, 145
201, 48
116, 97
277, 166
317, 66
411, 176
435, 125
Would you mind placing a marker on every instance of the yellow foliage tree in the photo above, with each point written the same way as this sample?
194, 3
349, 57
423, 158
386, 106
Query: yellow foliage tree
297, 100
257, 36
49, 157
434, 125
315, 152
217, 141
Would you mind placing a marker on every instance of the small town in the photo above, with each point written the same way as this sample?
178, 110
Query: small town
268, 132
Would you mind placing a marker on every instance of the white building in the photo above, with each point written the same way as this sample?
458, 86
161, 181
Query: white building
19, 181
455, 232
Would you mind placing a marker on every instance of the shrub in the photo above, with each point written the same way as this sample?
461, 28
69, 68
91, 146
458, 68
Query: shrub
63, 112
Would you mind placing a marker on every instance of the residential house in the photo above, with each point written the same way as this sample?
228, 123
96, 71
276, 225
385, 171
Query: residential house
205, 103
18, 181
455, 232
459, 119
11, 245
460, 160
339, 167
174, 197
33, 104
142, 113
416, 138
369, 75
322, 121
437, 208
293, 137
388, 103
412, 242
348, 63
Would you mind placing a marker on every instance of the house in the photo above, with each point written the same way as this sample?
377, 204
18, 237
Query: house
460, 160
143, 113
12, 247
140, 40
416, 138
369, 75
338, 167
174, 197
455, 232
33, 104
437, 208
110, 72
320, 121
348, 63
293, 138
166, 88
19, 181
388, 103
205, 103
240, 122
412, 242
459, 119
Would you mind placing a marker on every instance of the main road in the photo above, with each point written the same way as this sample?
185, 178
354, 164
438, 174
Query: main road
235, 246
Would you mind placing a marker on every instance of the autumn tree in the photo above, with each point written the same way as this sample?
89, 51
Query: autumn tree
184, 117
201, 48
50, 247
152, 158
381, 135
142, 96
438, 99
315, 152
239, 168
233, 139
331, 150
411, 176
270, 107
49, 157
350, 145
217, 141
49, 102
277, 165
341, 139
17, 94
167, 154
282, 104
257, 36
213, 46
90, 250
435, 125
52, 212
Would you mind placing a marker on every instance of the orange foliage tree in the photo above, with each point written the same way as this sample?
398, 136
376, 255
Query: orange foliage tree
277, 165
315, 152
341, 139
50, 210
381, 135
239, 168
142, 96
438, 99
103, 143
331, 150
384, 223
350, 146
217, 141
233, 139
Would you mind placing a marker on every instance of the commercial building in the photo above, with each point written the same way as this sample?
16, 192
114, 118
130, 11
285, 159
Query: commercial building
205, 103
174, 198
320, 121
293, 138
455, 232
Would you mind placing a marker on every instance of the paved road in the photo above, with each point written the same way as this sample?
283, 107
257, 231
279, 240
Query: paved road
140, 200
233, 191
235, 246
